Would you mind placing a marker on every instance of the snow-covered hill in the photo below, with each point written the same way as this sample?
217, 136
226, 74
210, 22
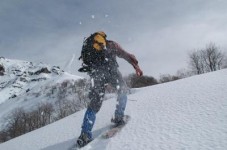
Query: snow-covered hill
188, 114
26, 84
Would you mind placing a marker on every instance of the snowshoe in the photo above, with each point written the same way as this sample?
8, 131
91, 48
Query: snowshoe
119, 124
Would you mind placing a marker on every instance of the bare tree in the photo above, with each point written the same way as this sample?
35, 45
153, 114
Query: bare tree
16, 123
45, 111
62, 108
167, 78
184, 73
196, 63
225, 63
213, 57
3, 136
206, 60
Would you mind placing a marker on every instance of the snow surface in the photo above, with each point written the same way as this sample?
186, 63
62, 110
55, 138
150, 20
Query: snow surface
187, 114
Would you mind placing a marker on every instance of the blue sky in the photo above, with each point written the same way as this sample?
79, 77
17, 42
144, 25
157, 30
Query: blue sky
160, 33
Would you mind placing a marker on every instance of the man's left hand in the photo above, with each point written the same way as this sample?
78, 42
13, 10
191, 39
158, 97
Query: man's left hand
139, 72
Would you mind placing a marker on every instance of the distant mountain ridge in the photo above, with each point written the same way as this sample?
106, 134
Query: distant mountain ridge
18, 74
26, 84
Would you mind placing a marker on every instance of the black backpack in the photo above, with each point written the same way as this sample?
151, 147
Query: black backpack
92, 53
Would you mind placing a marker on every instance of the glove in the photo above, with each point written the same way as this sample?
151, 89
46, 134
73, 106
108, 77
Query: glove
84, 69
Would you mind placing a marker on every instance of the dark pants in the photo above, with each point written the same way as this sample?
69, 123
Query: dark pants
99, 79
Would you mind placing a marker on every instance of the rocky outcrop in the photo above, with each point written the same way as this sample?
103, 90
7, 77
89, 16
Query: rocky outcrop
2, 70
43, 70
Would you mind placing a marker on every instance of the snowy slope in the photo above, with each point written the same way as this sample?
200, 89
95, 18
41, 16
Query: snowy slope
188, 114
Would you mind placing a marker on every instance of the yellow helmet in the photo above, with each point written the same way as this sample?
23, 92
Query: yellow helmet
99, 40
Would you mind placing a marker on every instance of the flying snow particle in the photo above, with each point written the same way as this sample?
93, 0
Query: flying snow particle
89, 121
80, 22
92, 82
93, 16
106, 15
101, 94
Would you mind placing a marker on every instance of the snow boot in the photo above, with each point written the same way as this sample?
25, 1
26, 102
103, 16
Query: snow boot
118, 121
120, 108
83, 139
86, 134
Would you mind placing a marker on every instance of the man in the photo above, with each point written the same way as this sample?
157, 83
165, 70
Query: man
102, 67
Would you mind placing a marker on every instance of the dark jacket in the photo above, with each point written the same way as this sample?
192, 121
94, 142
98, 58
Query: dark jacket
107, 59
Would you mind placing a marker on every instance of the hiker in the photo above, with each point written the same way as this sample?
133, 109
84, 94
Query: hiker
99, 61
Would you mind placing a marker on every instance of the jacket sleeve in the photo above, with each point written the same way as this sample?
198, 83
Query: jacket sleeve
120, 52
